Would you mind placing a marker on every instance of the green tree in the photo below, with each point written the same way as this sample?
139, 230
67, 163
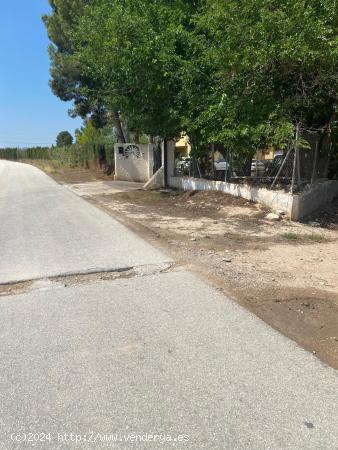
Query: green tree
64, 139
238, 73
133, 50
276, 65
67, 81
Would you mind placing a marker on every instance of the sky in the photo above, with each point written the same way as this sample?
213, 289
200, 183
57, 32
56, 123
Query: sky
29, 113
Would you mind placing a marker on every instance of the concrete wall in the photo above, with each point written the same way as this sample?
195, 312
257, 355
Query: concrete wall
134, 162
156, 181
276, 200
294, 206
318, 195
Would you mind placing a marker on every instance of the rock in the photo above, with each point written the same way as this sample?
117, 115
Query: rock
280, 212
272, 217
226, 260
193, 239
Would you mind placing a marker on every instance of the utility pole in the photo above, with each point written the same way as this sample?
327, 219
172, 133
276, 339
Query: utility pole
295, 160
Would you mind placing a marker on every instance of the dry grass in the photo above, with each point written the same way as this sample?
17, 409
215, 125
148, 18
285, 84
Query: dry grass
313, 237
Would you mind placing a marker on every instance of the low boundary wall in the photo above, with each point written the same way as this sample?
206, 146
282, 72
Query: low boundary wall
314, 198
294, 206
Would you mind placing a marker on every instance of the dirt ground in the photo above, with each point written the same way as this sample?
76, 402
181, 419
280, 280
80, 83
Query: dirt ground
284, 272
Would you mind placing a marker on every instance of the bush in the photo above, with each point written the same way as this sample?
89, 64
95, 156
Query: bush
75, 155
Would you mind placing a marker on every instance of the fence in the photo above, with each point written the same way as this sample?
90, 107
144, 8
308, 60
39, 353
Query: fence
292, 169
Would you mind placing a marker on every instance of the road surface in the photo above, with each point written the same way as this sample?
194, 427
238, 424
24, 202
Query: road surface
156, 359
47, 230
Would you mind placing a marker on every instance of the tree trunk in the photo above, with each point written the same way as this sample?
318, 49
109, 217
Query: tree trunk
119, 131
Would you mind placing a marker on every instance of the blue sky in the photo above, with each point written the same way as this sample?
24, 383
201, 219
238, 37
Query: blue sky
29, 112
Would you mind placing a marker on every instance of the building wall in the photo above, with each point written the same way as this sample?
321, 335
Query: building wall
266, 154
134, 162
182, 146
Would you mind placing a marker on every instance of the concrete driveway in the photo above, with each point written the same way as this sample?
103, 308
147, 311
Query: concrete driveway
152, 359
104, 187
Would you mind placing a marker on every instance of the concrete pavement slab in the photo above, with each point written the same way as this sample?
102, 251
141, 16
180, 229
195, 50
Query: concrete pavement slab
104, 187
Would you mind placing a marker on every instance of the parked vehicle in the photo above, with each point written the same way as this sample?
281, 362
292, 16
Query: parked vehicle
221, 164
257, 167
275, 164
184, 163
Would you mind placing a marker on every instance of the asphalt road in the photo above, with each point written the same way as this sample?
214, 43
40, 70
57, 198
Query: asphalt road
158, 354
46, 230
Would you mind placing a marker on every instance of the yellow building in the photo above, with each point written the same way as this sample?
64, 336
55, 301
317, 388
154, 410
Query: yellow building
265, 154
182, 146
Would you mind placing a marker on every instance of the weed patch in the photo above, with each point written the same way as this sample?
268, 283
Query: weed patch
290, 236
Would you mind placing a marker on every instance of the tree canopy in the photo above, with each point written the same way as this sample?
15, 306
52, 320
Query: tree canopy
276, 65
64, 139
239, 72
68, 80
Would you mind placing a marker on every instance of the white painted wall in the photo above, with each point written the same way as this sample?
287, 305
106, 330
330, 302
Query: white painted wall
134, 162
315, 197
276, 200
156, 181
294, 206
